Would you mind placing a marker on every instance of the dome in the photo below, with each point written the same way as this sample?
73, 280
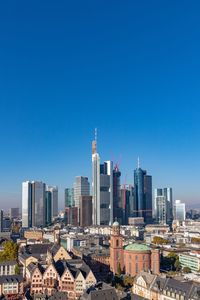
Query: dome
137, 247
115, 224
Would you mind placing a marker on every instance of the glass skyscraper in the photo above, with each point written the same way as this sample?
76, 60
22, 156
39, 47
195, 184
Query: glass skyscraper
48, 208
69, 197
33, 204
143, 194
95, 185
167, 193
179, 210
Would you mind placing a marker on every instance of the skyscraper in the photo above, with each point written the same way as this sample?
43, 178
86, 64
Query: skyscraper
161, 210
85, 211
33, 204
69, 197
81, 188
14, 213
95, 183
26, 204
167, 193
1, 220
143, 194
117, 207
179, 210
54, 198
106, 193
48, 207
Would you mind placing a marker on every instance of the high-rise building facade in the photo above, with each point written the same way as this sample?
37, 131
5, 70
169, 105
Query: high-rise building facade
1, 220
106, 193
54, 198
48, 208
95, 185
69, 197
179, 210
33, 204
26, 204
117, 206
161, 210
143, 194
85, 211
14, 213
167, 193
81, 188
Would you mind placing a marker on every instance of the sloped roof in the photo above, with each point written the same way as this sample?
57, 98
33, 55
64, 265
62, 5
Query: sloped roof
10, 278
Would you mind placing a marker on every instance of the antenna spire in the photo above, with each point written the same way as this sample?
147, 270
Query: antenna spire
95, 135
138, 162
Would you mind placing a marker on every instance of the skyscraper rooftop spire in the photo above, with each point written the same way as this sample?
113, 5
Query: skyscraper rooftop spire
138, 162
94, 142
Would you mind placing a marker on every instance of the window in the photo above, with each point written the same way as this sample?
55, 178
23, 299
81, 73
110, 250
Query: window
117, 243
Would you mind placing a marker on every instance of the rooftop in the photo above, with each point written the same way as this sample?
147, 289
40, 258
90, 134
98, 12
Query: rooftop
137, 247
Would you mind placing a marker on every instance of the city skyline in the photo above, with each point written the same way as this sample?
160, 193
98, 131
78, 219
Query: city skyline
129, 69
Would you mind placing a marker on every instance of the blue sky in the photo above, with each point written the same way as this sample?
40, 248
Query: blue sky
129, 68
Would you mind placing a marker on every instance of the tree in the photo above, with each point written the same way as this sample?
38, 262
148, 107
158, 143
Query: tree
10, 251
186, 270
17, 270
128, 281
119, 271
177, 265
159, 240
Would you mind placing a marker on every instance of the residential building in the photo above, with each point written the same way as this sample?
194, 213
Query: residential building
11, 286
85, 211
7, 267
179, 210
149, 286
69, 197
100, 291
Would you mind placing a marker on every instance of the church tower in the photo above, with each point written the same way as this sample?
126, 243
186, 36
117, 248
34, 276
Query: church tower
116, 249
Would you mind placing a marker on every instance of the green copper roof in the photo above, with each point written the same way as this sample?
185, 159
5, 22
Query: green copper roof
137, 247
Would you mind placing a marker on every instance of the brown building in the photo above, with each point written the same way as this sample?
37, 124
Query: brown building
85, 211
71, 216
132, 258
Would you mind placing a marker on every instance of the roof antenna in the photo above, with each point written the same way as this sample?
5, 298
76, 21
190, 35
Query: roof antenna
138, 162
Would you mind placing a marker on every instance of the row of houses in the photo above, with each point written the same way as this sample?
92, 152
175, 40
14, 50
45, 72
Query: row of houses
154, 287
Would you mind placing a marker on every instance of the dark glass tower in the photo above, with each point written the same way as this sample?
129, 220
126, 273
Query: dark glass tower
143, 194
48, 208
117, 207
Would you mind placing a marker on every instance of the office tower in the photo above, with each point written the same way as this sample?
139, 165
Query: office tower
117, 207
161, 210
33, 204
95, 183
71, 216
48, 207
143, 194
85, 211
81, 188
54, 198
157, 193
179, 210
69, 197
1, 220
106, 193
14, 213
167, 193
26, 204
127, 203
148, 198
38, 203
